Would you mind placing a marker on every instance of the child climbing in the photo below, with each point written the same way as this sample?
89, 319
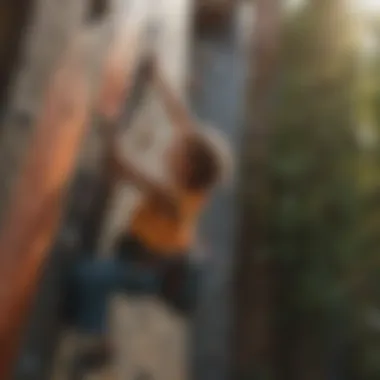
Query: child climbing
162, 232
155, 250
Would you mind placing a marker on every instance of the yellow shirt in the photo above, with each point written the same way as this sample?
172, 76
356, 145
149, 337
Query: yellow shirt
165, 232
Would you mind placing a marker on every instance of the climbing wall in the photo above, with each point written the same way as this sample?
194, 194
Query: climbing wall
152, 340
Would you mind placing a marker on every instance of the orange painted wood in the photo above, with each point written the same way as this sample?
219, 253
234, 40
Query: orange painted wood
34, 214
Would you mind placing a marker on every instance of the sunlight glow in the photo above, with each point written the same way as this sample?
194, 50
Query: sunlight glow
362, 6
366, 6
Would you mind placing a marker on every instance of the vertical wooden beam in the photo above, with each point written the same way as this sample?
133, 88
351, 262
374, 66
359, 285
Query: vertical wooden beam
36, 205
255, 281
46, 33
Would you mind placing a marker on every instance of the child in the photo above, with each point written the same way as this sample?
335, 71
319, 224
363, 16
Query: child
163, 230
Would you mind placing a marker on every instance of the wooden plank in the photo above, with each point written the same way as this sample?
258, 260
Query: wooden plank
151, 342
51, 27
254, 339
41, 335
35, 209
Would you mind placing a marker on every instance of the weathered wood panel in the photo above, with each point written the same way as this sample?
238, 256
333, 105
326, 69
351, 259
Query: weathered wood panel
51, 37
151, 340
47, 31
255, 280
35, 209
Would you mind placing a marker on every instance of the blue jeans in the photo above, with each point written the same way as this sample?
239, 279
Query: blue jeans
93, 281
179, 278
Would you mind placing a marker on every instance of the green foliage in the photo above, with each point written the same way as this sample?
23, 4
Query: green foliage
325, 211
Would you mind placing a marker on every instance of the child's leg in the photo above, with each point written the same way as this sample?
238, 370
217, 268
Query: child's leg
94, 282
181, 284
91, 282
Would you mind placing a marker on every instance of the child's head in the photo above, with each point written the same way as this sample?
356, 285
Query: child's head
201, 159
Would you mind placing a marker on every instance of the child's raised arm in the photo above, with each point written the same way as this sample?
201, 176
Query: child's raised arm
176, 110
123, 169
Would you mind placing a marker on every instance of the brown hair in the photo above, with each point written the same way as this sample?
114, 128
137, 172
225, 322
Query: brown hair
205, 161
